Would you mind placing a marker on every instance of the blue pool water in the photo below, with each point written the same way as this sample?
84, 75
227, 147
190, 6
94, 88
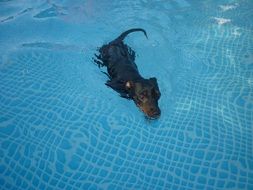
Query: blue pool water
62, 128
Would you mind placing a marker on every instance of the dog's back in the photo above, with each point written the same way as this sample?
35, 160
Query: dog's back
116, 52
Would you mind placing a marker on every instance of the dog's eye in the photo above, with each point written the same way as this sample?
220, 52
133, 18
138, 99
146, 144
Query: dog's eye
144, 93
141, 96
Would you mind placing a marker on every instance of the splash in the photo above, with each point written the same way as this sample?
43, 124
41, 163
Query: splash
228, 7
222, 21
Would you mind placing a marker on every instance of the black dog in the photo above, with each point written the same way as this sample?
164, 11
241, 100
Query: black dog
124, 76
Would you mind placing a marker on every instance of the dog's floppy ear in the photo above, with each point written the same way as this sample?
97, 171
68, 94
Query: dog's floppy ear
129, 85
154, 81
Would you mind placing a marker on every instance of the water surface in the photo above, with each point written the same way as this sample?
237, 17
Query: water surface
62, 128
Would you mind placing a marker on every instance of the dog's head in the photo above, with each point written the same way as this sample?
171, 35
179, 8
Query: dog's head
146, 94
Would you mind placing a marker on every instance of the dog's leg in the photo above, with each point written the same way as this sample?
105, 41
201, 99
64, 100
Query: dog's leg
117, 86
107, 75
125, 95
99, 63
98, 56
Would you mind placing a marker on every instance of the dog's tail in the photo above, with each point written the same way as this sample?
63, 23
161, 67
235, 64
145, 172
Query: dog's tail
124, 34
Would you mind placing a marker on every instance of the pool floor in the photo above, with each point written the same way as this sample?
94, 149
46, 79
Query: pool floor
62, 128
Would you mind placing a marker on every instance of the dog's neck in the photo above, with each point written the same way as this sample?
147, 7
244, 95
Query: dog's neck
130, 85
135, 78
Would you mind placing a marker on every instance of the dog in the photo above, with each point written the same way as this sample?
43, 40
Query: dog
124, 76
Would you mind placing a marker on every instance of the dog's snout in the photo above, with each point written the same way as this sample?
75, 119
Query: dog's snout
155, 111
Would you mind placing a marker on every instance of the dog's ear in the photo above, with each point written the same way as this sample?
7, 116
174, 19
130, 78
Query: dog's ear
129, 85
154, 81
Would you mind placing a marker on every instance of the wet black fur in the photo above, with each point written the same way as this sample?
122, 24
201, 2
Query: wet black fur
119, 59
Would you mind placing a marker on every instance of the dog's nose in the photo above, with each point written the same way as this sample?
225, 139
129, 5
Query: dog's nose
155, 112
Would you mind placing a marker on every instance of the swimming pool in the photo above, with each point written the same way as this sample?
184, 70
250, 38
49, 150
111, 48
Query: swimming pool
62, 128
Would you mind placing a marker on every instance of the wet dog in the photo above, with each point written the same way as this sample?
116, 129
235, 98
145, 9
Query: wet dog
124, 76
